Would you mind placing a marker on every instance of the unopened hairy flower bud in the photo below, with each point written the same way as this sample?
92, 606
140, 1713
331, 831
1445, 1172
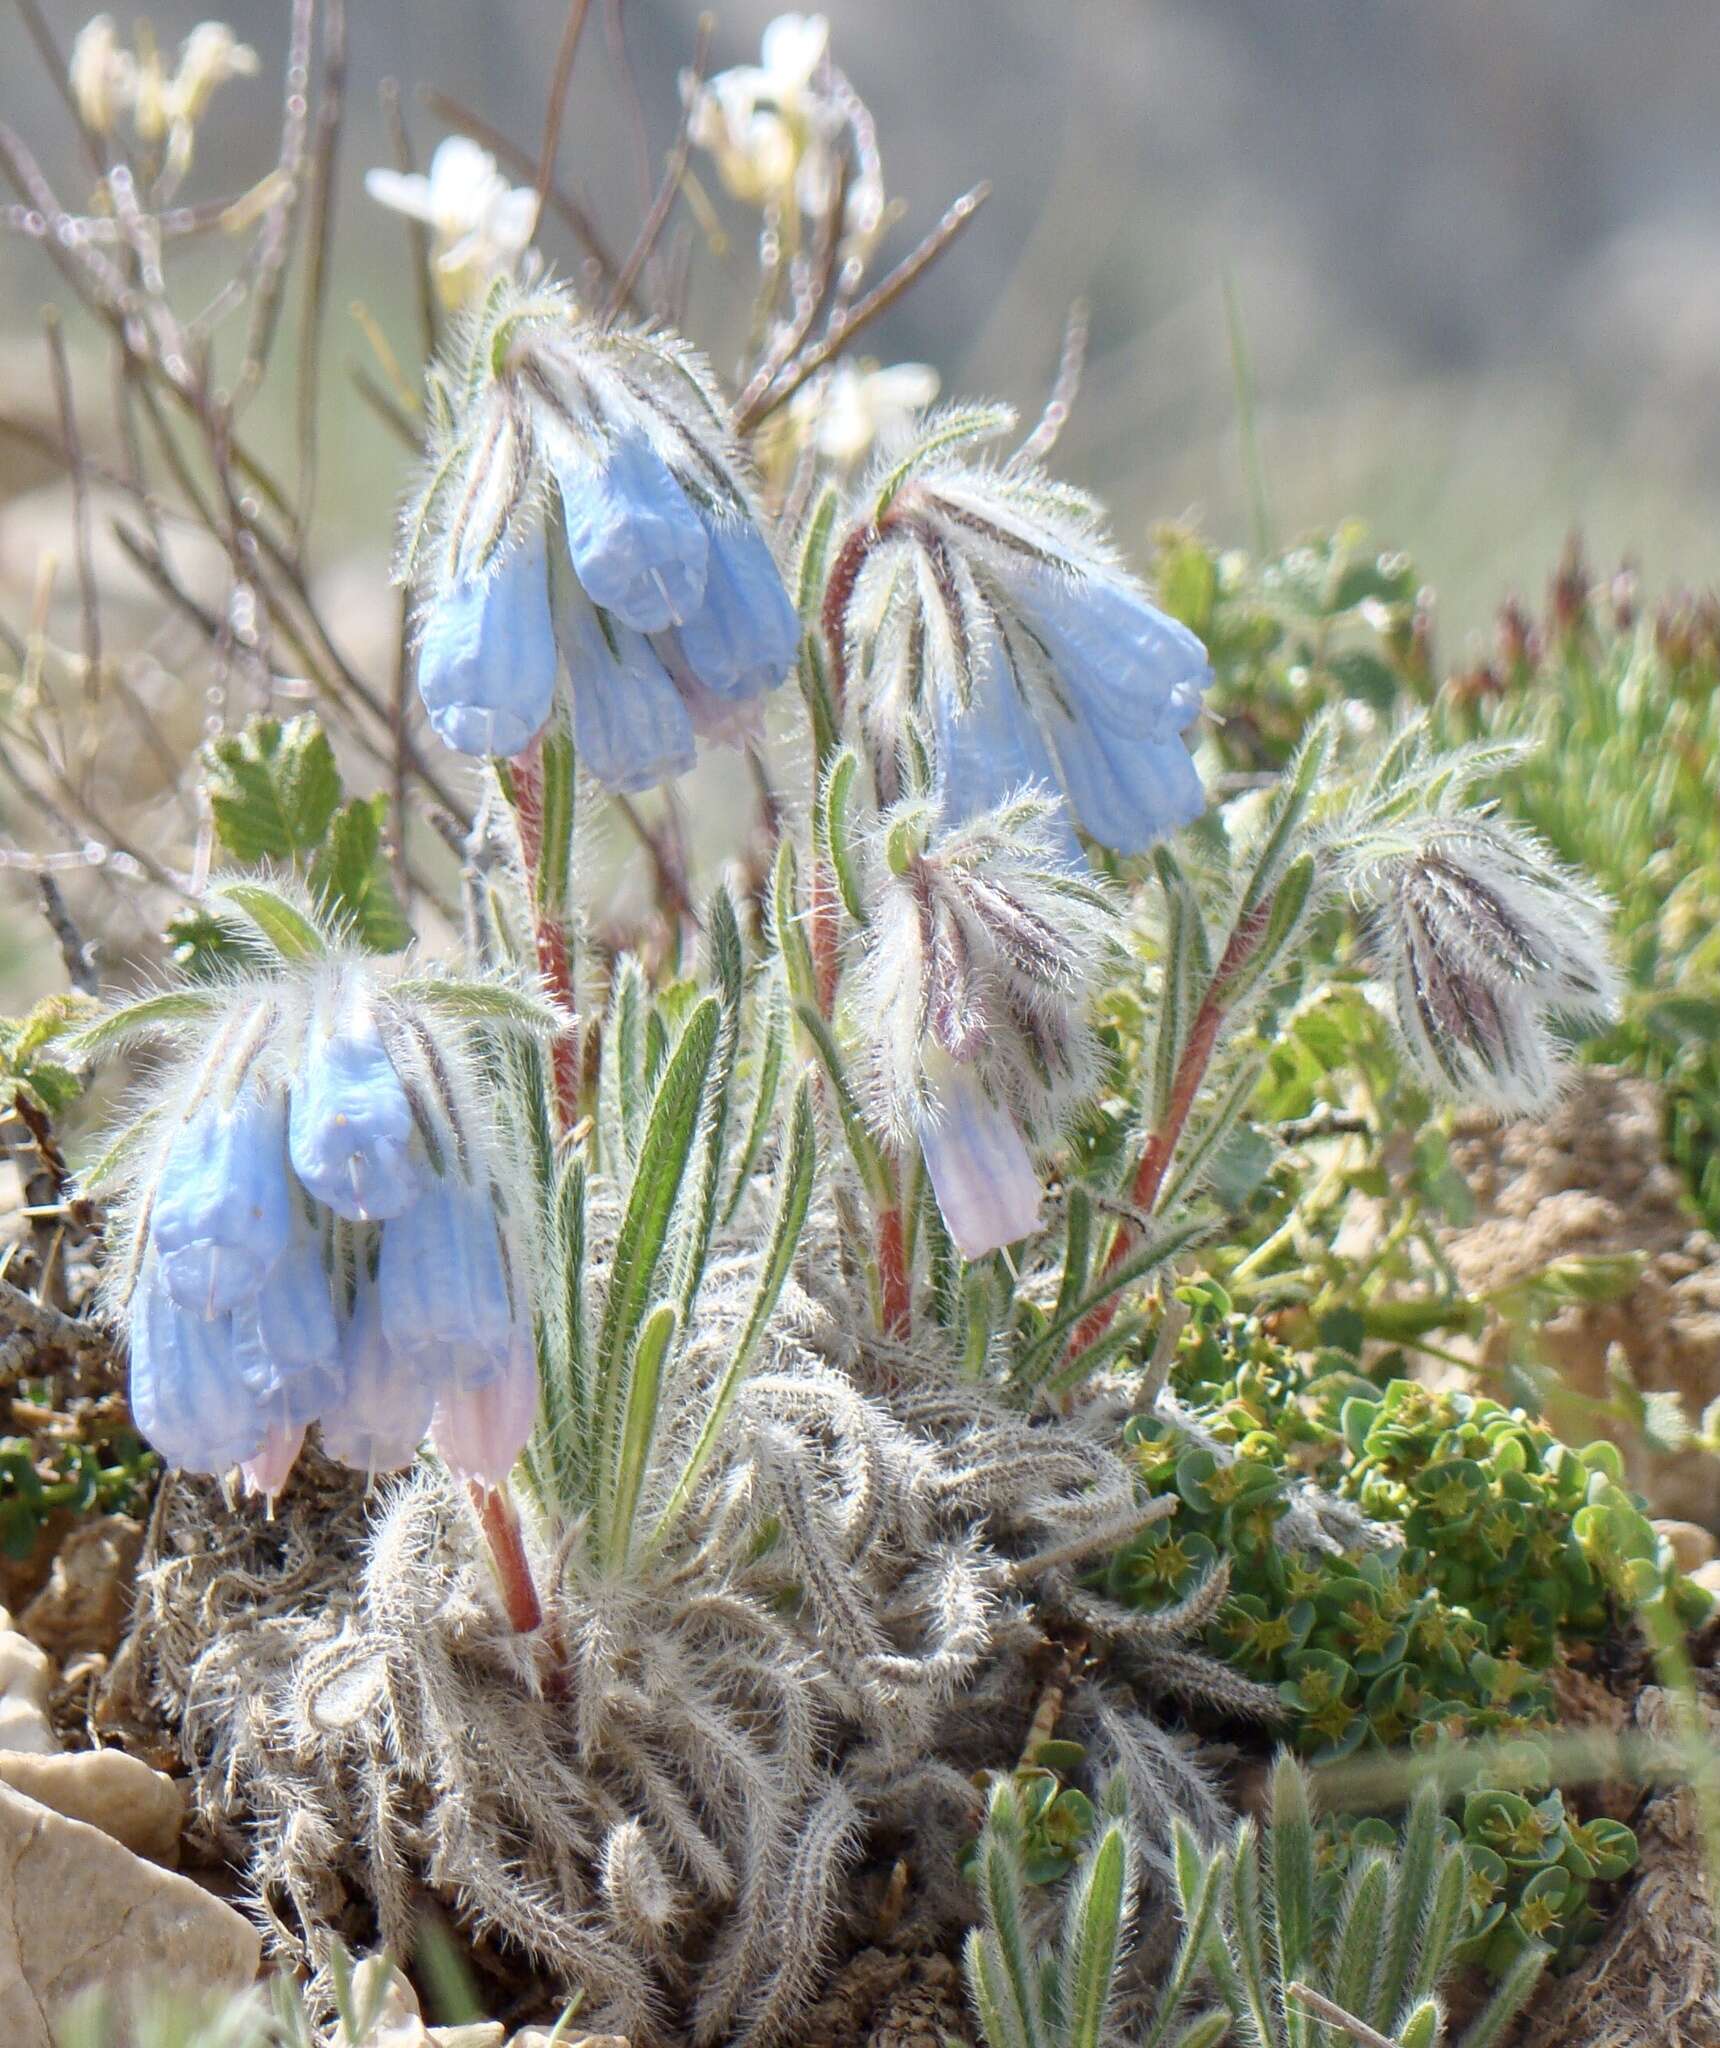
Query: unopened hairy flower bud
972, 992
1485, 944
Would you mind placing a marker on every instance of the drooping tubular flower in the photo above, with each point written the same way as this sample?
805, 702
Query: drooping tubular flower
586, 503
982, 949
318, 1226
982, 607
1485, 944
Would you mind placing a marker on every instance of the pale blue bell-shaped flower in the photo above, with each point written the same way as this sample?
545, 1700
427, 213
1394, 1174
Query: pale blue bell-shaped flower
479, 1435
385, 1408
443, 1289
289, 1340
221, 1215
487, 658
743, 638
350, 1127
631, 726
982, 1173
990, 748
637, 544
187, 1397
268, 1470
1130, 681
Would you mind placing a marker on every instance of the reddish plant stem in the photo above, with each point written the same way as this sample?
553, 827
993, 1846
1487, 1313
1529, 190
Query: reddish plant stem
896, 1301
499, 1519
549, 933
1162, 1141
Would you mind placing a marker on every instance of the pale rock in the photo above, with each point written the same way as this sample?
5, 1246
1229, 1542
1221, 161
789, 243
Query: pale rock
142, 1808
1692, 1546
86, 1603
25, 1675
546, 2037
1707, 1576
78, 1911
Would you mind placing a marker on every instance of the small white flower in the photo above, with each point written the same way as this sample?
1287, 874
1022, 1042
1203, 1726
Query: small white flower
480, 225
860, 406
102, 75
766, 124
209, 57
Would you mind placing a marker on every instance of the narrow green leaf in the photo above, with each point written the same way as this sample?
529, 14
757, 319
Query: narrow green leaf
797, 1174
560, 775
791, 942
833, 826
874, 1168
1000, 1889
145, 1018
1296, 794
815, 554
1293, 901
293, 935
1411, 1906
1166, 1241
1205, 2032
662, 1162
1356, 1948
1444, 1923
988, 1982
770, 1069
728, 970
1490, 2025
621, 1088
1195, 1156
1199, 1914
638, 1427
1292, 1866
1092, 1934
945, 430
496, 1004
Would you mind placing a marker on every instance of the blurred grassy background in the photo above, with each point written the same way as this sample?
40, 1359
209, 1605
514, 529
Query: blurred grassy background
1475, 243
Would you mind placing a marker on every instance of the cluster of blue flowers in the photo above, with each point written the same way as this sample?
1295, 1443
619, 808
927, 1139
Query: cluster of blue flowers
1122, 682
315, 1249
645, 576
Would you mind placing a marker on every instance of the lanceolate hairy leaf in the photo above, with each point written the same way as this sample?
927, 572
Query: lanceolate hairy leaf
662, 1162
293, 935
796, 1176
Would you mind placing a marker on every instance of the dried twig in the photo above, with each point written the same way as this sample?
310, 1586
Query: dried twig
1064, 391
652, 225
845, 325
556, 109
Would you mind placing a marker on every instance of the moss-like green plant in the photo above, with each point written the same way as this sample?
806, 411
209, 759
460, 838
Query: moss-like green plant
1513, 1546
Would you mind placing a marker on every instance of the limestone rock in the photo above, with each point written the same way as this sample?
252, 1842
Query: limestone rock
1692, 1545
25, 1675
142, 1808
78, 1911
541, 2037
86, 1603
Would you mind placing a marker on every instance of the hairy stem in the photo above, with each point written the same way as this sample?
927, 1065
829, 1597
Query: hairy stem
500, 1521
549, 929
1162, 1141
896, 1302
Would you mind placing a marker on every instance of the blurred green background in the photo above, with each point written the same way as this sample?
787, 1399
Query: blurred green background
1475, 243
